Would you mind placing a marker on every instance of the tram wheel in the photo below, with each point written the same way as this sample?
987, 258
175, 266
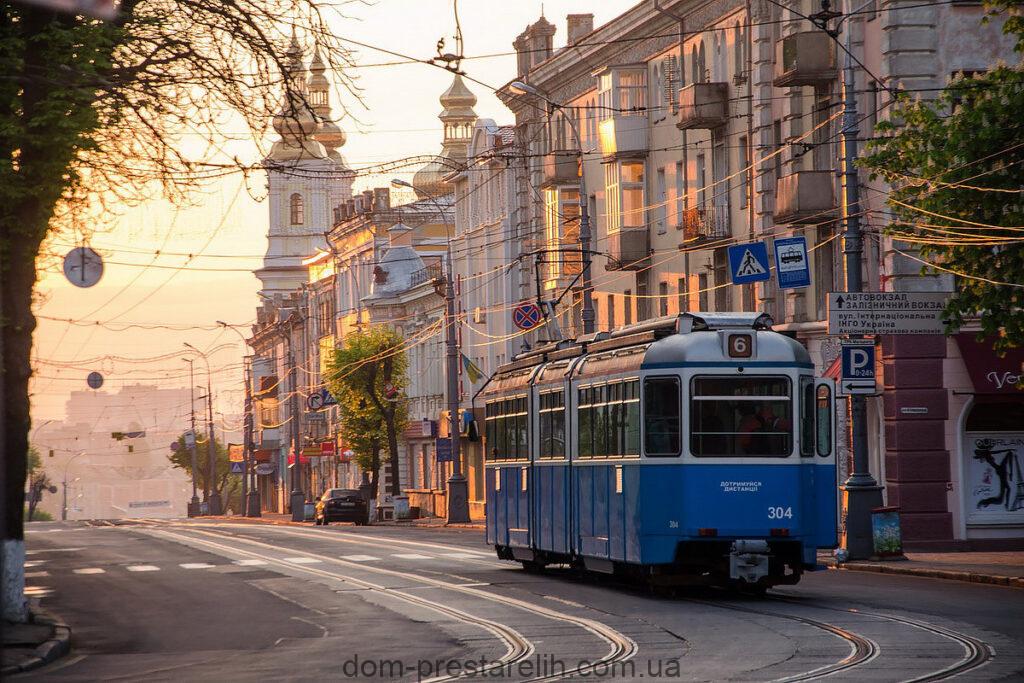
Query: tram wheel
532, 566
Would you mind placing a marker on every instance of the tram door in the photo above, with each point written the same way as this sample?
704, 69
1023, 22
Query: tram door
826, 485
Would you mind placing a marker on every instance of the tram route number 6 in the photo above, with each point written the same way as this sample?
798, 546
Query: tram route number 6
780, 513
740, 346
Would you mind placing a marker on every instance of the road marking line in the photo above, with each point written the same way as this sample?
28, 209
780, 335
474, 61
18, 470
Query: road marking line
359, 558
411, 556
36, 575
196, 565
302, 560
250, 563
461, 556
142, 568
52, 550
34, 563
90, 570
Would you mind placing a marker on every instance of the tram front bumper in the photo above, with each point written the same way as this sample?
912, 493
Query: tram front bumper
749, 560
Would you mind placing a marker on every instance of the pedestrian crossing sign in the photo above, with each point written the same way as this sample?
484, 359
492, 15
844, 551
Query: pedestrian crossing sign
749, 263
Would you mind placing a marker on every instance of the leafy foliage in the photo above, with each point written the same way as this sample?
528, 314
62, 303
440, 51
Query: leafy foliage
957, 169
227, 485
38, 482
368, 377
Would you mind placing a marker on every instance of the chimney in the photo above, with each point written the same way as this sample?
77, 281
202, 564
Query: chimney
534, 45
381, 199
400, 234
337, 214
579, 25
367, 200
522, 47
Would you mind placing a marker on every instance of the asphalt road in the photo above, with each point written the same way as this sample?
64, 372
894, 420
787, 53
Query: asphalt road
188, 600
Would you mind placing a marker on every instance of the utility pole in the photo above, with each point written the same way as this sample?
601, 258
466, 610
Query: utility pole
250, 492
211, 448
861, 493
298, 499
190, 442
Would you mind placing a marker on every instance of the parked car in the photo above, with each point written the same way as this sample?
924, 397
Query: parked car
341, 505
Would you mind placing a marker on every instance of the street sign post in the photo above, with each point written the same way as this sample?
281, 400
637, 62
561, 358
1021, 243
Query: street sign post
526, 316
237, 468
791, 265
320, 399
886, 312
858, 369
443, 447
749, 263
83, 267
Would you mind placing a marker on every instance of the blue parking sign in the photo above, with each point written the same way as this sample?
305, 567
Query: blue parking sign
749, 263
791, 264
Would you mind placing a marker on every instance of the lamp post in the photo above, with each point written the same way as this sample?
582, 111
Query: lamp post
587, 315
193, 506
458, 487
64, 504
213, 502
250, 496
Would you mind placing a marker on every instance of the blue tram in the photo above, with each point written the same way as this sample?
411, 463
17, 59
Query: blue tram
696, 449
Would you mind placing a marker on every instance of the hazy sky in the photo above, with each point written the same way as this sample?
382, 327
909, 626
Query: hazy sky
226, 229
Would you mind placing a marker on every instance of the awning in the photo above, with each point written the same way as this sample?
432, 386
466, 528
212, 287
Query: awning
989, 373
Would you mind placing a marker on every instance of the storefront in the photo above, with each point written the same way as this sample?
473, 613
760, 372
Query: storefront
991, 442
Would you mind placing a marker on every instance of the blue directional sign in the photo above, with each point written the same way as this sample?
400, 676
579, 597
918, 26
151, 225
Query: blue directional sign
238, 468
791, 264
858, 368
526, 316
749, 263
443, 449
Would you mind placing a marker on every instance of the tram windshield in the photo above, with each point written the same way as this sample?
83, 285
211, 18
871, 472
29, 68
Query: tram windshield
741, 417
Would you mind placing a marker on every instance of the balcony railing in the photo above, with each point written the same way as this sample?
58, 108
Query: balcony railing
703, 106
807, 58
629, 249
430, 273
706, 223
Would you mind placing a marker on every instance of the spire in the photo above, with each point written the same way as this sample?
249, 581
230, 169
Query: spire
295, 123
328, 133
458, 117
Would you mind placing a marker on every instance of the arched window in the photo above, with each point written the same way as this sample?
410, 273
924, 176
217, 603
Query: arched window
298, 210
694, 66
702, 64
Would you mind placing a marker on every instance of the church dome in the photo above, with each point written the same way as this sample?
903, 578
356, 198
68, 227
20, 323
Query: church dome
429, 180
458, 100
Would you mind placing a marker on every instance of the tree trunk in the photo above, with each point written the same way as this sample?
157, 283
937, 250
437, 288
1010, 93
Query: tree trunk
374, 472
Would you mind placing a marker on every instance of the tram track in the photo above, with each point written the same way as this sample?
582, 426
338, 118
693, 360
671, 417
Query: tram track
518, 647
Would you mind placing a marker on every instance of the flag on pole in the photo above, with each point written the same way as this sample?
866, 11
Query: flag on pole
473, 371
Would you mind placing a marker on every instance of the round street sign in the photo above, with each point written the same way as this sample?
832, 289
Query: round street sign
175, 446
526, 316
83, 267
94, 380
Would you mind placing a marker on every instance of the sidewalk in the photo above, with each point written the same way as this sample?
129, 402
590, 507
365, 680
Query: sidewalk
997, 568
286, 520
38, 643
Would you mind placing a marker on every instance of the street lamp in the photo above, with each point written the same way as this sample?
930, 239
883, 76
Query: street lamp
213, 505
250, 495
458, 487
64, 504
587, 315
193, 507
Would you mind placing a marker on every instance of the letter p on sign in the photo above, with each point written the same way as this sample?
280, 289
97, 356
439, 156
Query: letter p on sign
858, 361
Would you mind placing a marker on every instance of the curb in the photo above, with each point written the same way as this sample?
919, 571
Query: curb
47, 652
407, 525
947, 574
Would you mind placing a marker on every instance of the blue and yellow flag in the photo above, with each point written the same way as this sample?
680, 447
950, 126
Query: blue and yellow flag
473, 371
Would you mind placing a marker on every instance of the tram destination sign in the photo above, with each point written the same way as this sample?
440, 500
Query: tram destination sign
886, 312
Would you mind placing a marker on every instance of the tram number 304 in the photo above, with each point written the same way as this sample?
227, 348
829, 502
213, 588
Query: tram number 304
780, 513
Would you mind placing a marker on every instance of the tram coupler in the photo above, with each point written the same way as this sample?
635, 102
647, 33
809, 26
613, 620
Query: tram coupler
748, 560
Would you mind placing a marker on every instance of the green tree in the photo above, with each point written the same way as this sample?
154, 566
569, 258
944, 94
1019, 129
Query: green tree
38, 482
92, 115
227, 485
956, 166
368, 377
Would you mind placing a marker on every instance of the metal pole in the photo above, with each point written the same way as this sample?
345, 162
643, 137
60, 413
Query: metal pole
211, 448
861, 493
587, 315
298, 499
194, 509
458, 487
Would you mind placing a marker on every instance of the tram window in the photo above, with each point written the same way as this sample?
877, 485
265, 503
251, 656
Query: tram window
631, 418
661, 416
824, 421
741, 416
807, 406
586, 437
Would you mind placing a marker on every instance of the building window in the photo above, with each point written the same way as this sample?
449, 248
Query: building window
627, 304
702, 169
722, 278
825, 268
611, 312
643, 297
622, 92
702, 293
297, 209
663, 298
662, 198
682, 291
562, 230
777, 158
624, 195
680, 194
744, 171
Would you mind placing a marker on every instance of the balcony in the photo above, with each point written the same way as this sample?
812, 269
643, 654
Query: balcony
706, 223
807, 58
703, 106
623, 135
805, 197
628, 249
269, 439
430, 273
561, 167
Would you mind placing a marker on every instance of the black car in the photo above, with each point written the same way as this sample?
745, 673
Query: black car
341, 505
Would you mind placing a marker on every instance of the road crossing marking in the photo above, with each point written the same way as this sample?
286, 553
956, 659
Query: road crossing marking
34, 563
359, 558
142, 568
302, 560
461, 556
410, 556
90, 570
196, 565
36, 575
250, 563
